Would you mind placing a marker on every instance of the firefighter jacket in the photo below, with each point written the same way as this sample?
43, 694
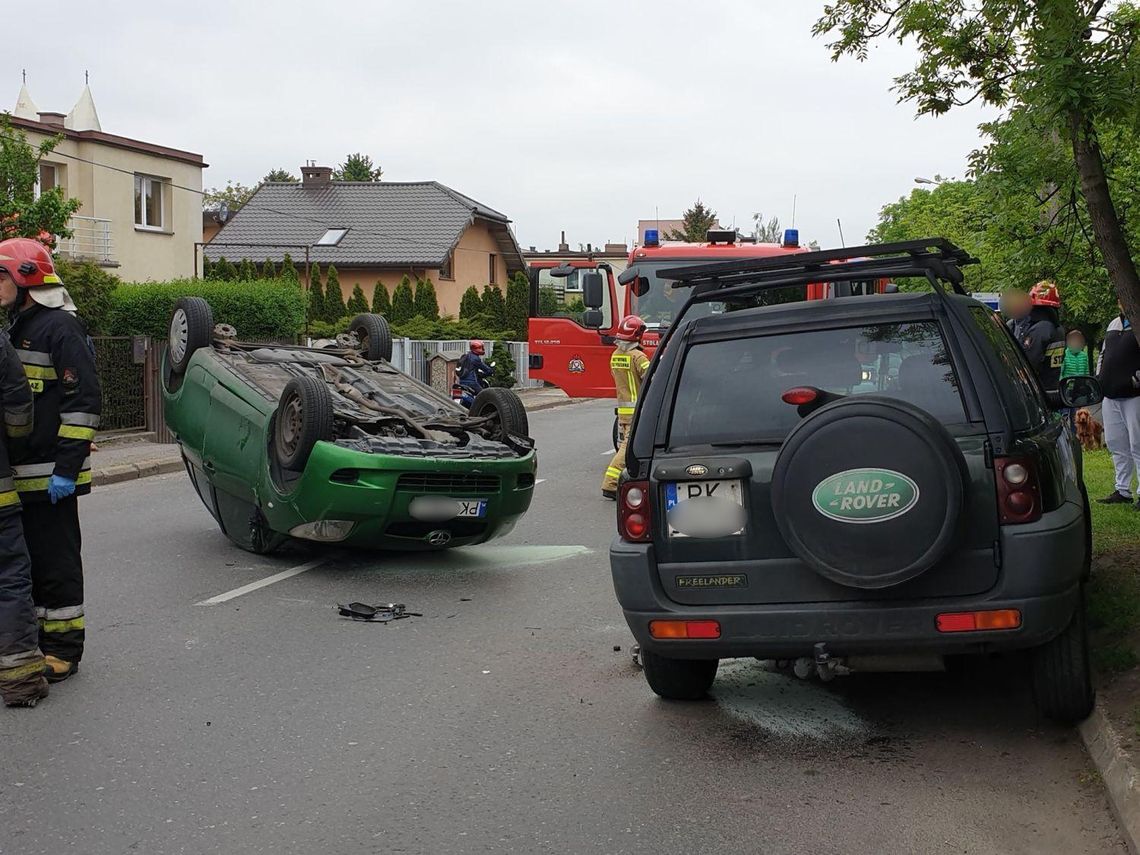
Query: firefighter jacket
53, 346
628, 365
16, 403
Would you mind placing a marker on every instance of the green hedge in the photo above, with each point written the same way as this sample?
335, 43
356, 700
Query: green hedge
481, 327
260, 309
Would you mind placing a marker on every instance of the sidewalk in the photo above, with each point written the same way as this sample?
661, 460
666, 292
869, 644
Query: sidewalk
125, 458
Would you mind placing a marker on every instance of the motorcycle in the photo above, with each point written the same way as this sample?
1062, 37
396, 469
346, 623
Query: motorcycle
465, 395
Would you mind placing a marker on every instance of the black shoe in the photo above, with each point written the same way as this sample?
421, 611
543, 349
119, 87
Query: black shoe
610, 494
1115, 499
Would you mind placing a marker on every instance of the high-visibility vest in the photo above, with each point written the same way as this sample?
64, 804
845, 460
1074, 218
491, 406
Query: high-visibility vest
628, 367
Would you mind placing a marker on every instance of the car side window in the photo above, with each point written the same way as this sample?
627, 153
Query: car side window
1027, 402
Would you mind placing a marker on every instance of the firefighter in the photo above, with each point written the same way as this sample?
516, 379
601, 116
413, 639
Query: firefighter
22, 682
55, 467
472, 369
1036, 324
628, 365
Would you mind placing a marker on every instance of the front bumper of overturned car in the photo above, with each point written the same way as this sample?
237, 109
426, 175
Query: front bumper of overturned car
366, 499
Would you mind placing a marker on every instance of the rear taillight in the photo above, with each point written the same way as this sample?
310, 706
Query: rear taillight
634, 512
1018, 489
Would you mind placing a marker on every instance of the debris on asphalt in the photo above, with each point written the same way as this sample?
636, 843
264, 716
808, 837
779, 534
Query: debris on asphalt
635, 652
382, 613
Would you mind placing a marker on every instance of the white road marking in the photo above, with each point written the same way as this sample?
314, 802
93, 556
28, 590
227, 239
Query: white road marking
262, 583
607, 453
540, 481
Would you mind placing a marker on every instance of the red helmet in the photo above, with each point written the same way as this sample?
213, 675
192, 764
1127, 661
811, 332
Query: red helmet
1045, 294
28, 263
476, 347
630, 328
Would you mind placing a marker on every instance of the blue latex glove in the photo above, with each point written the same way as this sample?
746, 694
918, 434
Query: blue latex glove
60, 488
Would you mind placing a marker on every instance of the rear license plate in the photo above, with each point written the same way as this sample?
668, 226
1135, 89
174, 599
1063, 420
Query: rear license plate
471, 507
732, 492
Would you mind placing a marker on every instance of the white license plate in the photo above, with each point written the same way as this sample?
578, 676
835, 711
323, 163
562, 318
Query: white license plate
471, 507
717, 495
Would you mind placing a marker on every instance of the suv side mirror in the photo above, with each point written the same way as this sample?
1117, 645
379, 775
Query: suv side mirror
592, 319
1080, 391
592, 289
562, 271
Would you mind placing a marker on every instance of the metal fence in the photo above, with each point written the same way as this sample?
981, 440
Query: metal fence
90, 240
122, 373
411, 355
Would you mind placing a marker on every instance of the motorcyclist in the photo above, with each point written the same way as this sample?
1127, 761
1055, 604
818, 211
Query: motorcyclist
472, 367
628, 365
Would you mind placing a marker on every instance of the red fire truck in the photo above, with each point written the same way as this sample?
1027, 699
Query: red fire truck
573, 353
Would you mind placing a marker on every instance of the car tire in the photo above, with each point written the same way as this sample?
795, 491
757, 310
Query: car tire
678, 679
506, 406
617, 434
374, 335
191, 328
304, 417
1062, 675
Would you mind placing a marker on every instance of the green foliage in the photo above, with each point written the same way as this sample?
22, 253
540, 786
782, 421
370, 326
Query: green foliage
334, 297
504, 371
575, 306
288, 271
427, 306
403, 303
548, 305
357, 167
316, 307
518, 306
418, 327
357, 303
207, 268
282, 175
381, 300
223, 270
695, 224
234, 196
470, 304
21, 213
247, 270
92, 288
268, 271
259, 309
495, 306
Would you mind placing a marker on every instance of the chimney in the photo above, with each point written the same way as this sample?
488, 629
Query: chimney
616, 249
52, 119
315, 176
562, 245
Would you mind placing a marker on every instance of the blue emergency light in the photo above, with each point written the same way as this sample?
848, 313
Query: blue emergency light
791, 237
651, 237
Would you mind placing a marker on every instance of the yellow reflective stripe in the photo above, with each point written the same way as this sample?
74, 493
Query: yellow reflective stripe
40, 372
36, 385
34, 485
73, 432
52, 279
625, 411
62, 625
18, 431
619, 360
612, 473
7, 499
22, 671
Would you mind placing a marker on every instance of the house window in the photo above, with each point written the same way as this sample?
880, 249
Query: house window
150, 198
491, 273
446, 270
332, 237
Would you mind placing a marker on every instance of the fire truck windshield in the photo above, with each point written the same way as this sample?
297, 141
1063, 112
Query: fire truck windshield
662, 303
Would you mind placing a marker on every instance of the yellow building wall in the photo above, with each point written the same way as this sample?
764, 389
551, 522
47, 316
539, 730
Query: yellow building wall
110, 194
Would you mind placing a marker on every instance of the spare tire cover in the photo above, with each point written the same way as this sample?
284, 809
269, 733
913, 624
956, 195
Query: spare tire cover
868, 491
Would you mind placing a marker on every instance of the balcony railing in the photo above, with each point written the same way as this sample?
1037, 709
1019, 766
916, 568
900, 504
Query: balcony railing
90, 240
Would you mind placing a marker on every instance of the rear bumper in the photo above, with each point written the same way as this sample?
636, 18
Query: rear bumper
1040, 577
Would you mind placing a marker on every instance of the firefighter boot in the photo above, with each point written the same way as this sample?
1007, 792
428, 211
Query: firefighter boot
57, 670
23, 686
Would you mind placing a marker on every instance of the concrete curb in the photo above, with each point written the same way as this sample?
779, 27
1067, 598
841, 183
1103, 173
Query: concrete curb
550, 405
1117, 772
132, 471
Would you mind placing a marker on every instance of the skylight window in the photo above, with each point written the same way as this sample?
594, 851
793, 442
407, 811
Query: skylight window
332, 237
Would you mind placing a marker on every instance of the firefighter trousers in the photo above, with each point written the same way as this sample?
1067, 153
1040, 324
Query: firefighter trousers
21, 663
55, 545
617, 464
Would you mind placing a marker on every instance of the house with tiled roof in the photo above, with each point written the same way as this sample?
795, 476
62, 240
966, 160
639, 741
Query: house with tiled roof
375, 233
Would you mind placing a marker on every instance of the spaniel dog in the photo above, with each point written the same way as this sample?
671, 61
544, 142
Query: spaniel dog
1089, 432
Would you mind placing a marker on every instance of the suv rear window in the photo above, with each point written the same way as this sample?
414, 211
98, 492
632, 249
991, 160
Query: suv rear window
1028, 408
730, 391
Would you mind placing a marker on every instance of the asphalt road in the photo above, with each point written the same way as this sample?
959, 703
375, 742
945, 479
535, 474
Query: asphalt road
503, 720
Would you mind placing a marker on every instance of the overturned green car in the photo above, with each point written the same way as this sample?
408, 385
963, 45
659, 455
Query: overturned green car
334, 445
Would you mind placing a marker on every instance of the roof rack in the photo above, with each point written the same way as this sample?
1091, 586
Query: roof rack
916, 257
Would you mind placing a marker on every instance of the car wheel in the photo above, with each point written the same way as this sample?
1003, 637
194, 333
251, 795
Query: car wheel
1062, 676
506, 408
304, 417
374, 336
617, 434
678, 679
191, 328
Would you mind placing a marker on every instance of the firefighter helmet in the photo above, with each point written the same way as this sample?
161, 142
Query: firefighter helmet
630, 328
28, 263
1045, 293
476, 347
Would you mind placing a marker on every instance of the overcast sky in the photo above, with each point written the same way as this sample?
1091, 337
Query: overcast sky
583, 115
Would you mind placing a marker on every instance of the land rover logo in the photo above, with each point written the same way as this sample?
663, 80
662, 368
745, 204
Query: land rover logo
862, 496
697, 470
439, 537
